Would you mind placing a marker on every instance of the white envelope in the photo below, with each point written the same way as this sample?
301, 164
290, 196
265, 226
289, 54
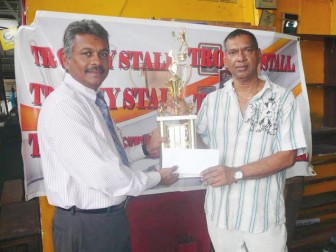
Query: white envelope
191, 162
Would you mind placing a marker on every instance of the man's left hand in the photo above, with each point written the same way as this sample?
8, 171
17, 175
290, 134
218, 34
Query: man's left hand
219, 175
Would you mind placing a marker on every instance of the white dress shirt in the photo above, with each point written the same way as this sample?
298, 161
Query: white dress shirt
81, 165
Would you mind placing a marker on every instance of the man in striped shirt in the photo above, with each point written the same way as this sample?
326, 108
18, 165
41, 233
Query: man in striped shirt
256, 126
87, 177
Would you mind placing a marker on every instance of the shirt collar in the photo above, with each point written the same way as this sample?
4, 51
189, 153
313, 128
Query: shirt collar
230, 89
79, 87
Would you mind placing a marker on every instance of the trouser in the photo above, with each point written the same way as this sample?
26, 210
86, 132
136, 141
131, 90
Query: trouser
76, 231
273, 240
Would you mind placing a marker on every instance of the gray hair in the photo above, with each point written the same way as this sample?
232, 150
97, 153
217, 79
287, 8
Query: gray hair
239, 32
82, 27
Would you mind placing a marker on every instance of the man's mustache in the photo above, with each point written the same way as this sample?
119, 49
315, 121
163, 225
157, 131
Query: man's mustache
95, 69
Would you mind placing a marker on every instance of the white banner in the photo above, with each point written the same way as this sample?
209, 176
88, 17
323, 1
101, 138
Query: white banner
138, 72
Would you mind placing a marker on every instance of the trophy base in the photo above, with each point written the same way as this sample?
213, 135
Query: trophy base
179, 130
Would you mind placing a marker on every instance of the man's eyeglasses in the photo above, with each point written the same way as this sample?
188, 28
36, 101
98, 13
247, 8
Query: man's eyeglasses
233, 53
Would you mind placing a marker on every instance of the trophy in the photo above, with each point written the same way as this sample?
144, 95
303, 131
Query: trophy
178, 129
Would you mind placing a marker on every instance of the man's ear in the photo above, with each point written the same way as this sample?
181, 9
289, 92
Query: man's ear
65, 60
259, 54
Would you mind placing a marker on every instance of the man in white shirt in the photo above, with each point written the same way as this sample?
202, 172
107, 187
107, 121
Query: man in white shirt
87, 177
256, 126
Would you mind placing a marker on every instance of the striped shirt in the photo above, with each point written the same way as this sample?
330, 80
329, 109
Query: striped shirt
80, 163
271, 123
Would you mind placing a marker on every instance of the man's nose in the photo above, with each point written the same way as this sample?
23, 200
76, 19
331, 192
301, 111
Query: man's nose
96, 58
241, 54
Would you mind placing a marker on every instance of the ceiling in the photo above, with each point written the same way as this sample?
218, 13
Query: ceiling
9, 10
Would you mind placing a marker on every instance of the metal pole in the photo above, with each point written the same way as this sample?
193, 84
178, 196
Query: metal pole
2, 88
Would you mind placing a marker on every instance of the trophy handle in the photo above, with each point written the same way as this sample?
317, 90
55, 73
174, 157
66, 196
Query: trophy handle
189, 74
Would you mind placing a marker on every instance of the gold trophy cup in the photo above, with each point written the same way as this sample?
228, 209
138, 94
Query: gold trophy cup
178, 129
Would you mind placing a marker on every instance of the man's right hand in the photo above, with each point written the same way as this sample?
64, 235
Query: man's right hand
168, 177
176, 104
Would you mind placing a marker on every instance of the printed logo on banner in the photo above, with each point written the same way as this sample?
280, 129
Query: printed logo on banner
224, 76
8, 35
7, 38
211, 57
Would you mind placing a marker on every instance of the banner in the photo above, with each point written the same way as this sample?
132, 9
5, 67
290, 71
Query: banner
139, 61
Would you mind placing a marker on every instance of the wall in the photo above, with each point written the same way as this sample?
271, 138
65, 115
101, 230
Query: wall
313, 64
7, 23
242, 11
333, 17
285, 6
314, 16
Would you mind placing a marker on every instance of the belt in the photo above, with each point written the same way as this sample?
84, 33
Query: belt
106, 210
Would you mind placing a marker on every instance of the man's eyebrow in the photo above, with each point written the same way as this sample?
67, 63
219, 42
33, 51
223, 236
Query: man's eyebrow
86, 48
236, 48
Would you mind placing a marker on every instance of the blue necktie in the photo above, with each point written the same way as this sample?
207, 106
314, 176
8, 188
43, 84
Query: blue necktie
106, 114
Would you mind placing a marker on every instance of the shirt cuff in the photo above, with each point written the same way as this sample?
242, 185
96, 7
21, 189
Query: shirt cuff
154, 179
135, 153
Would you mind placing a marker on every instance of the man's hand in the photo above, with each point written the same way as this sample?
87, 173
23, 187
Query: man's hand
219, 175
173, 105
154, 144
168, 177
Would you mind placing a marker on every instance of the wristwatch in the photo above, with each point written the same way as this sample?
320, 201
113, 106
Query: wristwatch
144, 150
238, 175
